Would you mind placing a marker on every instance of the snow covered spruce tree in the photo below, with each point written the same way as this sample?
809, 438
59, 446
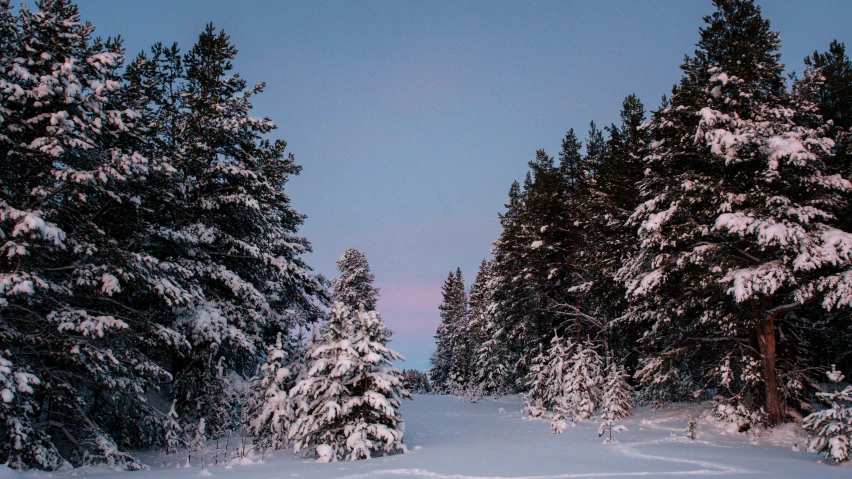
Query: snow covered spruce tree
827, 84
558, 397
347, 407
537, 400
530, 260
737, 224
222, 222
583, 381
450, 362
376, 392
171, 431
82, 354
319, 398
831, 428
607, 240
615, 403
270, 409
354, 286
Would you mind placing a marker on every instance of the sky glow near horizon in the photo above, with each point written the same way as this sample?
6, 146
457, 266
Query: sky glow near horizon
412, 119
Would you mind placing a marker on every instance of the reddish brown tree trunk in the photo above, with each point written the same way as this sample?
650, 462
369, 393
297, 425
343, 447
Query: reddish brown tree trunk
766, 340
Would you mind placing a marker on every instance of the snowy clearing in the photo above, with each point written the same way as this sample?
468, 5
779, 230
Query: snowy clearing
451, 439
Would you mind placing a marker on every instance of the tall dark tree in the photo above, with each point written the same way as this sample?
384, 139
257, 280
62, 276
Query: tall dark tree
608, 240
735, 228
222, 222
81, 354
832, 75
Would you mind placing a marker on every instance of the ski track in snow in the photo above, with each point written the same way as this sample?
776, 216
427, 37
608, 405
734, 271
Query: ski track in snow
708, 468
704, 468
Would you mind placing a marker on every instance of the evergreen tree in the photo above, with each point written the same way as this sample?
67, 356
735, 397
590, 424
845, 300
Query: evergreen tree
319, 399
222, 223
490, 362
559, 367
537, 400
583, 381
477, 320
68, 177
272, 413
459, 373
608, 241
831, 428
348, 405
736, 224
451, 359
832, 73
530, 265
615, 403
416, 382
376, 392
354, 286
508, 328
171, 431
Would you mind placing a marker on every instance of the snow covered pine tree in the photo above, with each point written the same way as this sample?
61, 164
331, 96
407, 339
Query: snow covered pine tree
354, 287
615, 404
222, 222
69, 170
737, 227
270, 412
832, 427
347, 407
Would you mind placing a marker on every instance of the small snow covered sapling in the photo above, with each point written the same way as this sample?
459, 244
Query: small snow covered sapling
583, 381
616, 401
197, 443
271, 414
171, 431
832, 428
609, 425
690, 428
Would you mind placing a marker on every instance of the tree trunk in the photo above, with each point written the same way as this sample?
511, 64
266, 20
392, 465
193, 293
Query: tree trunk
766, 340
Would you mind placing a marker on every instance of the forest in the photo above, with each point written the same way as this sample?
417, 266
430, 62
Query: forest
699, 251
154, 294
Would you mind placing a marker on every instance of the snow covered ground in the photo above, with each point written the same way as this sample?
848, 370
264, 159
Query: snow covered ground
451, 439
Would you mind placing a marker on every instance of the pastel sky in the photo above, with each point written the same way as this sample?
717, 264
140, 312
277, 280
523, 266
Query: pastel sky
411, 119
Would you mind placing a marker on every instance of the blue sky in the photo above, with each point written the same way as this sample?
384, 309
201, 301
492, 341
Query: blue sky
411, 119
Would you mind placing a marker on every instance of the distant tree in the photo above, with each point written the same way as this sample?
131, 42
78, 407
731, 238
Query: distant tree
451, 358
416, 382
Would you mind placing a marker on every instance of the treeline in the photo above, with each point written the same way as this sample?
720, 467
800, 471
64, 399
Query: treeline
148, 247
704, 247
